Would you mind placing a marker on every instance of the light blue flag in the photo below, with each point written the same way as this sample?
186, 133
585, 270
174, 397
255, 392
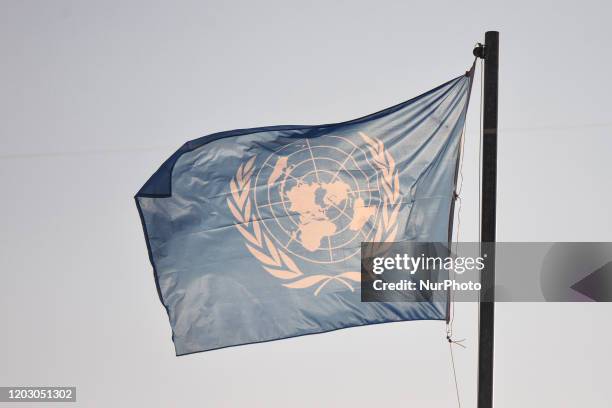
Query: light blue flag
254, 235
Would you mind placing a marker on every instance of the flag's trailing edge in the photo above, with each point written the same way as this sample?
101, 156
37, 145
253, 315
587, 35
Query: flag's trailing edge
254, 234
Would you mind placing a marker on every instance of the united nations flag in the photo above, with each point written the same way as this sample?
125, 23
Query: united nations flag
255, 234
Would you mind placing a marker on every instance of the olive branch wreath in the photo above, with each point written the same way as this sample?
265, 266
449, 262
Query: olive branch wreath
278, 263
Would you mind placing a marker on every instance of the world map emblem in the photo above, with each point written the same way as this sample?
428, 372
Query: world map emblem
314, 201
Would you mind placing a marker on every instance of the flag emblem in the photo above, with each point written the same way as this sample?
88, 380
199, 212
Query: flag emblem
315, 201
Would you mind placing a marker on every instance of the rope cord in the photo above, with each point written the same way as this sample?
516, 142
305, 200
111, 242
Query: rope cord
480, 175
479, 188
450, 323
451, 309
450, 348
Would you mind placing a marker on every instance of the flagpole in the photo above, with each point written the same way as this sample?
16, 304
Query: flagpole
490, 54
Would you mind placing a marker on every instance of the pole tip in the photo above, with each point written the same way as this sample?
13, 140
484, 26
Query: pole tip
479, 51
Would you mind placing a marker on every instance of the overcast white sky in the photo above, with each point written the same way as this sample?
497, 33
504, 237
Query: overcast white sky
95, 95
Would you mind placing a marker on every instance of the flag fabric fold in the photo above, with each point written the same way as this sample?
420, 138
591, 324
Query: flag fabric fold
254, 234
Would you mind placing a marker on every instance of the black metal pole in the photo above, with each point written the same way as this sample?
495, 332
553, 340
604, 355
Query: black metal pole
490, 53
